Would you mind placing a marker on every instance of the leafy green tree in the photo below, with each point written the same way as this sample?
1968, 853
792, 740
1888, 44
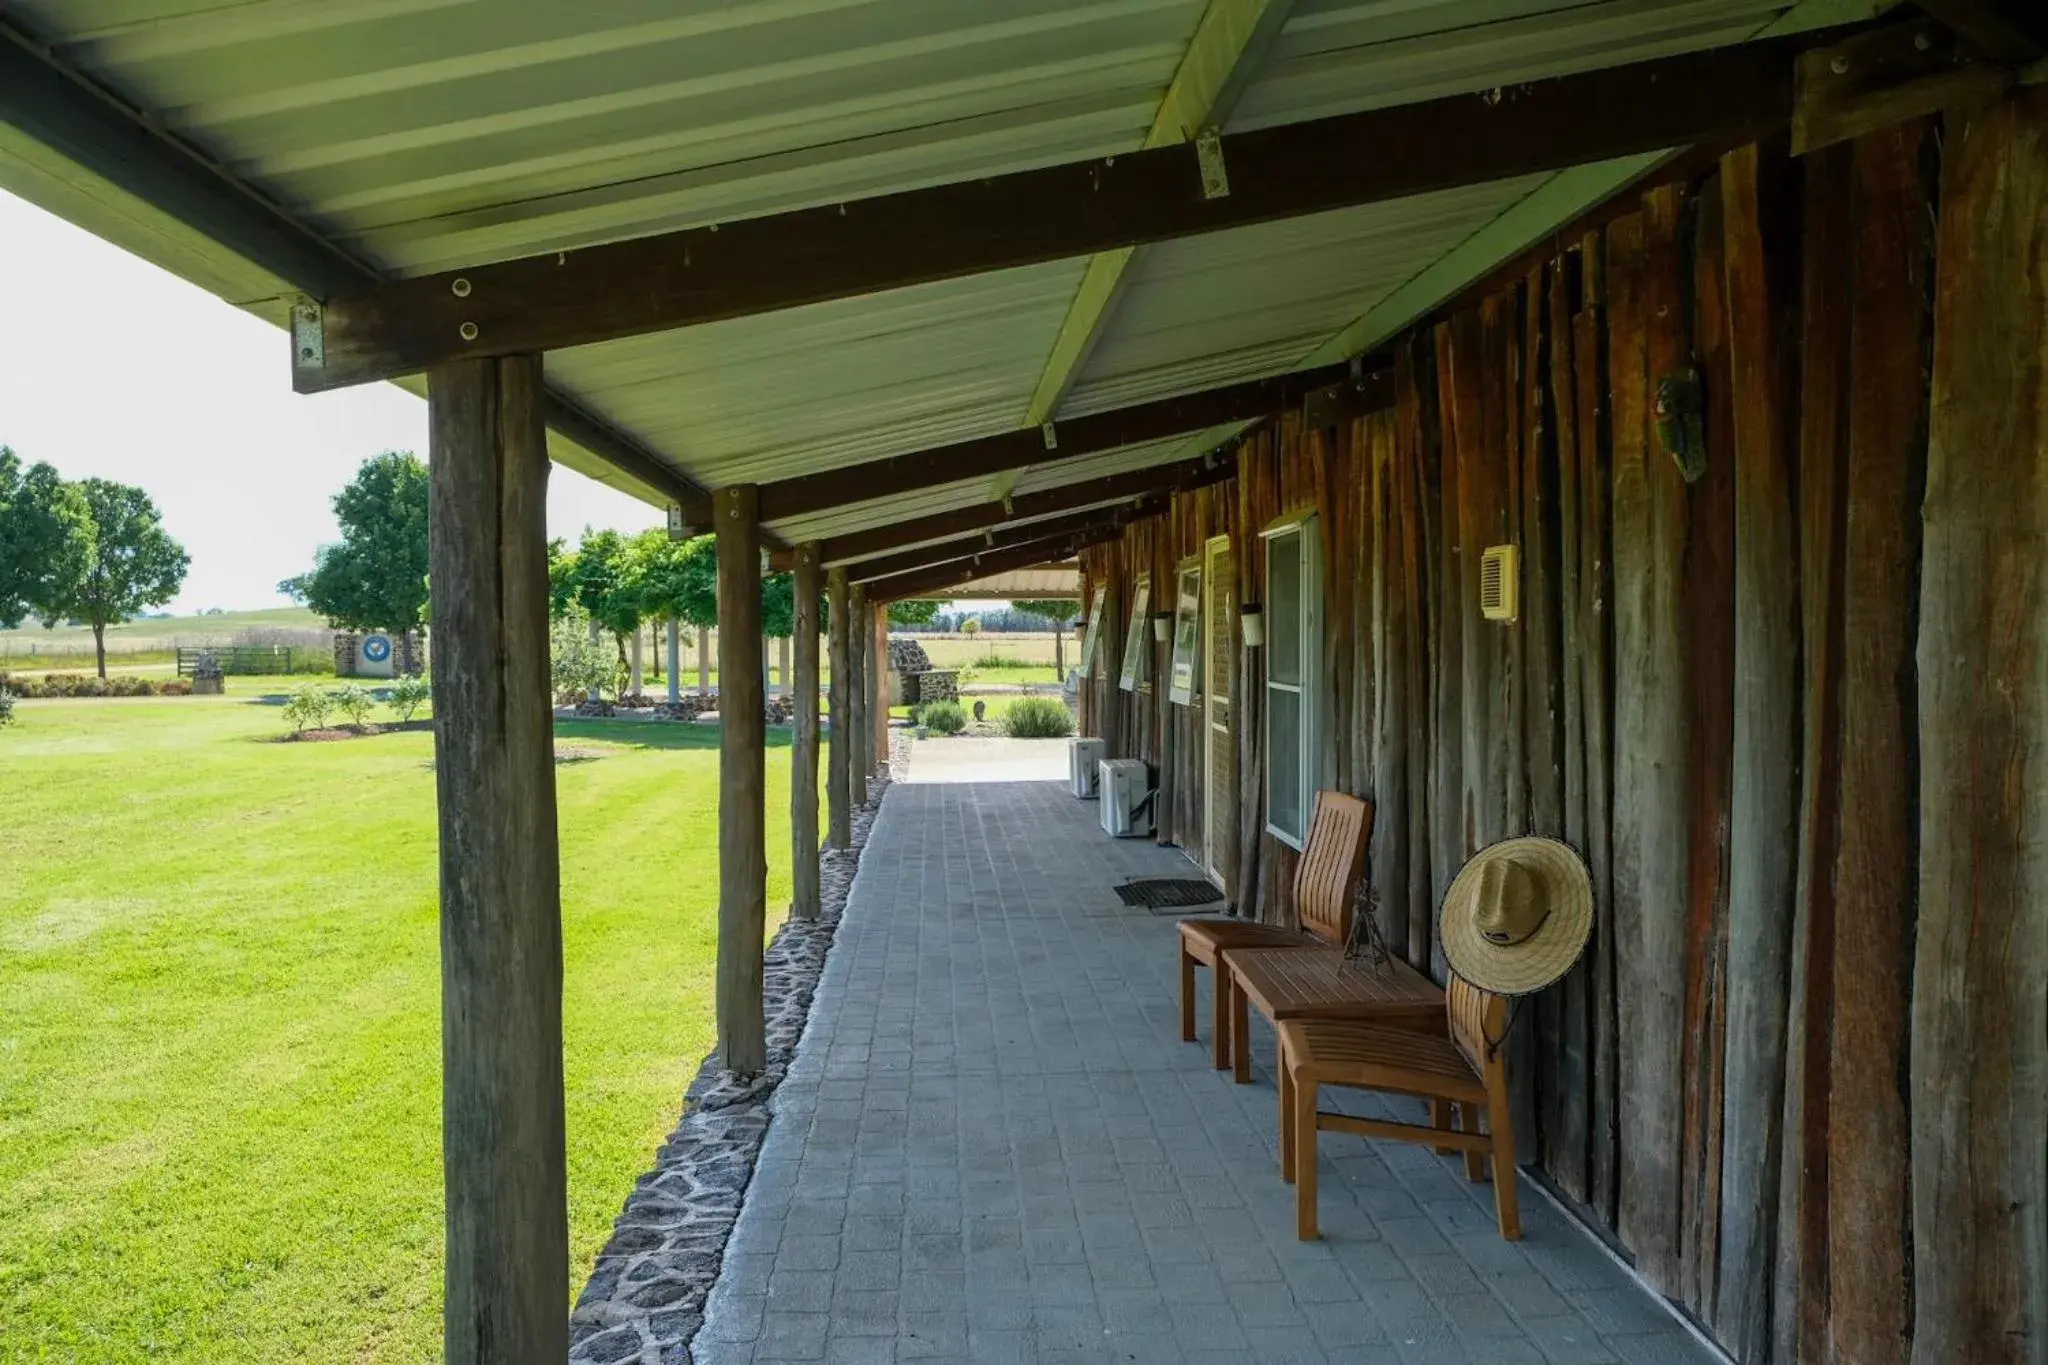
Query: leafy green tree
135, 564
46, 539
376, 577
916, 612
677, 580
1061, 612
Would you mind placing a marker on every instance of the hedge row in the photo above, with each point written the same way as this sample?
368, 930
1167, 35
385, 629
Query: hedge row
87, 685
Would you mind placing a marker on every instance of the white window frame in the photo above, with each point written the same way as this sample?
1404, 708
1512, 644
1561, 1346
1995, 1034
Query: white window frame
1310, 625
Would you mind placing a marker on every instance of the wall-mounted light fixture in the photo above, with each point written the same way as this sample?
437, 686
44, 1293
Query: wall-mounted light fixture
1252, 625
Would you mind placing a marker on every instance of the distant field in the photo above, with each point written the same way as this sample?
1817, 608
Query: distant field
149, 644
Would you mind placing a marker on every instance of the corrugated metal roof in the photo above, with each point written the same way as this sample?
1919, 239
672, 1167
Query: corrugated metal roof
429, 133
1050, 581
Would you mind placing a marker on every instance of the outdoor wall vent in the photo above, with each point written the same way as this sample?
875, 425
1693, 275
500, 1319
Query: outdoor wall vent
1497, 583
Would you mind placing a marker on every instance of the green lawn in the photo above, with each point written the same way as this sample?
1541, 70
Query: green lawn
219, 1019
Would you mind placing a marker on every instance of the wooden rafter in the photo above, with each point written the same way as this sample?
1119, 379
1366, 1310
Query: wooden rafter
1002, 538
1179, 476
1231, 38
1093, 434
926, 582
948, 231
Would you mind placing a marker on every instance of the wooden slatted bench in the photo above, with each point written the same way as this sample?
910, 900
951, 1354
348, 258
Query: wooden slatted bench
1317, 983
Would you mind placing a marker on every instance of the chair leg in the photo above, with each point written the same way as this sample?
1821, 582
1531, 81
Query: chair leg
1219, 1024
1443, 1115
1286, 1087
1467, 1116
1501, 1128
1305, 1160
1187, 995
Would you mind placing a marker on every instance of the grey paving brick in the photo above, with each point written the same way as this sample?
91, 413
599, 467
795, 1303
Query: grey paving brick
993, 1147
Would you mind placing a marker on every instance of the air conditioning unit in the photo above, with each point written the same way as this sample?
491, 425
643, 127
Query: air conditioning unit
1126, 791
1082, 756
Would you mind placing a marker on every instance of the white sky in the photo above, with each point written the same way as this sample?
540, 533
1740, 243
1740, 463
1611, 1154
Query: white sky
112, 368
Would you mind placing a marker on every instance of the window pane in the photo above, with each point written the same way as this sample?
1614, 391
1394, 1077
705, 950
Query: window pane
1283, 608
1283, 761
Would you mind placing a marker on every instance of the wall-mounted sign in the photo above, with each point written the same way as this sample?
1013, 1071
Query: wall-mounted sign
1187, 634
1137, 639
1091, 638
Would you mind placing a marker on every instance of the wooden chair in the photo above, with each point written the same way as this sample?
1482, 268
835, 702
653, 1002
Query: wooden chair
1459, 1075
1324, 883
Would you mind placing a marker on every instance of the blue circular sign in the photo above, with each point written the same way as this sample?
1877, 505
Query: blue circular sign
376, 648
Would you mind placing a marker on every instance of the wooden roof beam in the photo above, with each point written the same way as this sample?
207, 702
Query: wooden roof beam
1090, 435
758, 265
1179, 476
934, 581
1003, 537
2014, 32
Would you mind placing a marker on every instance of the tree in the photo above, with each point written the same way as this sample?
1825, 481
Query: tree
376, 577
916, 612
1061, 611
46, 540
134, 564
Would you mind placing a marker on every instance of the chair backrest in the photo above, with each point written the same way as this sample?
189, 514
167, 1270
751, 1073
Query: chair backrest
1477, 1017
1326, 879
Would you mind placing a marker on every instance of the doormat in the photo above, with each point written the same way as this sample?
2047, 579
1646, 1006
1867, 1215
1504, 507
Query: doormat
1164, 895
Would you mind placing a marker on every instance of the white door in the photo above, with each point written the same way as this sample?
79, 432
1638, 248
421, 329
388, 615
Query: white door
1219, 759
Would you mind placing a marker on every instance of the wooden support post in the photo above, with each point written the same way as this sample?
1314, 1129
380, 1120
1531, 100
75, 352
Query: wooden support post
782, 664
742, 814
703, 661
502, 1142
803, 747
837, 796
675, 661
878, 687
859, 641
636, 677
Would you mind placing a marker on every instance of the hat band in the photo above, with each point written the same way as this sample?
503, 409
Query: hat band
1500, 938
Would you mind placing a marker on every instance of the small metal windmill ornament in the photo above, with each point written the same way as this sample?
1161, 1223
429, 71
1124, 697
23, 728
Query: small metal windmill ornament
1364, 945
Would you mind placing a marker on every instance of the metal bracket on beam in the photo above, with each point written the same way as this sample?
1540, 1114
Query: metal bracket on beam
309, 335
1050, 435
1209, 155
1887, 76
678, 527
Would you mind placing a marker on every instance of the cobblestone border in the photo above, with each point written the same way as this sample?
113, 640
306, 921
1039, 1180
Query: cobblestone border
645, 1298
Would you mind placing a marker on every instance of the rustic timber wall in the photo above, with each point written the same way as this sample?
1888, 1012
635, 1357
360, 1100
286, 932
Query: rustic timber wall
1793, 713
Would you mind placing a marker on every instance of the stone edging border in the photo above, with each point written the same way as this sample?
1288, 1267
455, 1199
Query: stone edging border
645, 1297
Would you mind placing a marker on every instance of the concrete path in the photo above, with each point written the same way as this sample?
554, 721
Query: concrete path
993, 1146
982, 758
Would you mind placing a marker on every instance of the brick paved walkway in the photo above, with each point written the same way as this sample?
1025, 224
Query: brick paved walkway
994, 1147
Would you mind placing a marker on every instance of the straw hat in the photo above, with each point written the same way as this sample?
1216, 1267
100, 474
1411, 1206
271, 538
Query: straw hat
1517, 915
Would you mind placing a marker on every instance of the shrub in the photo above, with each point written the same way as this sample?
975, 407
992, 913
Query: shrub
6, 707
944, 718
971, 626
87, 685
994, 658
1038, 718
354, 703
408, 695
308, 707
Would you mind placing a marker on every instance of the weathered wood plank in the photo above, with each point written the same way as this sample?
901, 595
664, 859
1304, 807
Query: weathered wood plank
1709, 626
1447, 652
1979, 1066
1763, 803
803, 746
1595, 651
839, 770
1649, 739
1799, 1287
742, 785
502, 1130
1875, 870
1415, 503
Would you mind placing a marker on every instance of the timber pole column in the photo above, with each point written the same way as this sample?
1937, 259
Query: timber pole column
742, 782
803, 748
860, 739
878, 687
841, 760
502, 1132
